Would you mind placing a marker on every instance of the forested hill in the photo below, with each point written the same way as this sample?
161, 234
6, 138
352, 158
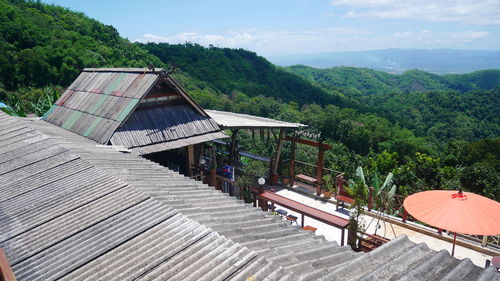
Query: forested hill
364, 81
448, 107
237, 70
44, 45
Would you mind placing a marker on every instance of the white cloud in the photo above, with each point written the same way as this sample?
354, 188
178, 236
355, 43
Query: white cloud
468, 35
280, 42
439, 38
268, 41
475, 12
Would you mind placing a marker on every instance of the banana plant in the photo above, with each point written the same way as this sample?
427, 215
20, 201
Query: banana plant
360, 175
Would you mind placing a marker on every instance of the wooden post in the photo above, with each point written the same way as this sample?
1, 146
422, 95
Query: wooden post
213, 178
485, 241
6, 272
370, 198
189, 160
319, 172
276, 161
232, 152
454, 242
292, 164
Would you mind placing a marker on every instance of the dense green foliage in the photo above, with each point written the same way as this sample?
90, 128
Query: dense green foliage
434, 106
43, 45
427, 130
237, 70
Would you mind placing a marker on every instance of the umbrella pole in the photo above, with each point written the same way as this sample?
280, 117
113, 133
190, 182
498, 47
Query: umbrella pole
454, 241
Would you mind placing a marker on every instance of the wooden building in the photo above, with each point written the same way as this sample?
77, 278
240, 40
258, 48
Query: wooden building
143, 110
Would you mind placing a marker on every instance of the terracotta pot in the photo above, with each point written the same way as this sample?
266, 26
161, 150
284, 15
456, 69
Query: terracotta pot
327, 194
285, 181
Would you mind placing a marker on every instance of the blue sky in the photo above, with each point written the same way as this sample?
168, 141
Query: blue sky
279, 27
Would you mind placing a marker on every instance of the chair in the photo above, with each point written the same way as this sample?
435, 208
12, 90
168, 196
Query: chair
271, 207
310, 228
292, 219
495, 261
281, 212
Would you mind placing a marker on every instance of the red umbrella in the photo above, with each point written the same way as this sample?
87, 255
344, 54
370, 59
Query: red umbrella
461, 212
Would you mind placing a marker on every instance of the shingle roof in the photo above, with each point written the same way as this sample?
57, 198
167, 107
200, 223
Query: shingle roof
282, 252
113, 103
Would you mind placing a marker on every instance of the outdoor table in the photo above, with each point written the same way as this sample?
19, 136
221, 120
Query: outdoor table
305, 210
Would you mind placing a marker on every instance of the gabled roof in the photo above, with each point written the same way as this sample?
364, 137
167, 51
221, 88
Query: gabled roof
283, 252
100, 102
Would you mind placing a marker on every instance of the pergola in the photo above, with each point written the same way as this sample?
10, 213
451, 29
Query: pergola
236, 122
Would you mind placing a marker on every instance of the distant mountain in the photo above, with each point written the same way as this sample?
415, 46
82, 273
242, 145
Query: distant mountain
365, 81
438, 61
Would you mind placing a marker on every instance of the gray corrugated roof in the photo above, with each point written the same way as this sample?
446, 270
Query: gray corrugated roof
291, 253
231, 120
61, 217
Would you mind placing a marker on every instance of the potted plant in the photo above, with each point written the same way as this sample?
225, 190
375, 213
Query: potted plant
243, 181
285, 175
329, 185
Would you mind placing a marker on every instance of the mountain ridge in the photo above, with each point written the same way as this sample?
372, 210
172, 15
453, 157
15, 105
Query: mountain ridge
438, 61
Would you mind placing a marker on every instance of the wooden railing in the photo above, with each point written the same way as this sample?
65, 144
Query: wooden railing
310, 169
369, 242
6, 273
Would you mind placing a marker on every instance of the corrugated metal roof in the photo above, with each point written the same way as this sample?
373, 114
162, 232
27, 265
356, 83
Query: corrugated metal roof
283, 252
163, 128
99, 100
63, 218
231, 120
101, 105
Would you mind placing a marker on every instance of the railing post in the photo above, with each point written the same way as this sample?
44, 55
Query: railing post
485, 241
213, 178
405, 216
340, 183
370, 198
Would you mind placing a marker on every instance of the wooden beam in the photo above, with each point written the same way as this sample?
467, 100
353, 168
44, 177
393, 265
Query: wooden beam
6, 273
309, 142
319, 171
190, 159
292, 164
276, 160
232, 151
276, 137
